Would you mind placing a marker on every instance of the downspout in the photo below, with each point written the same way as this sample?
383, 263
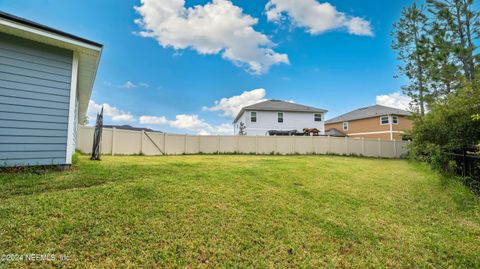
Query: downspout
390, 121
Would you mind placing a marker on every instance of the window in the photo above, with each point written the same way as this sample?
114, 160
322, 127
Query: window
345, 126
318, 117
253, 116
394, 119
280, 116
383, 120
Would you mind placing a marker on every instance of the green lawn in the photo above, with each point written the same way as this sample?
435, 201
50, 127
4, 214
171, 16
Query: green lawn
240, 211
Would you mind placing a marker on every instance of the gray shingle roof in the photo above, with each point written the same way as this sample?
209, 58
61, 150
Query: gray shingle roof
278, 105
369, 112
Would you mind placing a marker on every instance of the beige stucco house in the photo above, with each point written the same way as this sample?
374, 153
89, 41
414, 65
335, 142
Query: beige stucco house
372, 122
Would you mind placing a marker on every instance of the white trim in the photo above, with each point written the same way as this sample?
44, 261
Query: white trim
71, 111
391, 126
343, 125
37, 31
380, 132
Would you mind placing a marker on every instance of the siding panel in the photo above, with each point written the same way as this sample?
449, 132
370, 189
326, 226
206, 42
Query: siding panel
31, 102
33, 117
33, 95
13, 139
33, 147
35, 66
32, 125
28, 110
34, 102
20, 85
36, 81
25, 71
34, 59
32, 132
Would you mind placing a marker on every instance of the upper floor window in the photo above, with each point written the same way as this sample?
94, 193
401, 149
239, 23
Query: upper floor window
345, 126
318, 117
395, 119
280, 117
384, 120
253, 116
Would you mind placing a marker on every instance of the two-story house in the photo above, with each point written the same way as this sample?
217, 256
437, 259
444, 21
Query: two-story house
372, 122
279, 115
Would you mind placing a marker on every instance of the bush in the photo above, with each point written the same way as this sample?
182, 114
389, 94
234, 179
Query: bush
449, 125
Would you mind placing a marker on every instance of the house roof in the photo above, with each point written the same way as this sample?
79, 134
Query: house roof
279, 105
88, 52
369, 112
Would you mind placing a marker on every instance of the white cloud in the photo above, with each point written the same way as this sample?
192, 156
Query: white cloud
190, 123
153, 120
232, 105
316, 17
132, 85
218, 27
395, 99
109, 111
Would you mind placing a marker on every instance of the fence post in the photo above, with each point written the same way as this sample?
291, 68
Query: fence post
276, 144
395, 147
346, 145
294, 144
379, 141
363, 146
165, 143
256, 144
329, 147
218, 144
141, 141
238, 143
185, 144
313, 146
113, 141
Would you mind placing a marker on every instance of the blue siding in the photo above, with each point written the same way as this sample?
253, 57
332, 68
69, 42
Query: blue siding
34, 102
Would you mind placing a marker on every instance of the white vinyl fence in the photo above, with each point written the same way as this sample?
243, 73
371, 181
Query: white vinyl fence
125, 142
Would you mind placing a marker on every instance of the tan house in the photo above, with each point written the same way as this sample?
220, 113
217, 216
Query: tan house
372, 122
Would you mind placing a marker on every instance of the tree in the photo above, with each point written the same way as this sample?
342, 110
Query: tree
460, 23
413, 46
444, 74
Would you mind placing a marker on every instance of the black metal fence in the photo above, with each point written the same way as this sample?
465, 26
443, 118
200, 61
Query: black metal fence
467, 160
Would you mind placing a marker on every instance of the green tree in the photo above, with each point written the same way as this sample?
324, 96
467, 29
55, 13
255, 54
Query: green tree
413, 46
460, 25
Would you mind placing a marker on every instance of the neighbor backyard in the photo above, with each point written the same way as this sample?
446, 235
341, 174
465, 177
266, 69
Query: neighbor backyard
239, 211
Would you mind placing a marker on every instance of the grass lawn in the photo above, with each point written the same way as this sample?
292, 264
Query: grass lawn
240, 211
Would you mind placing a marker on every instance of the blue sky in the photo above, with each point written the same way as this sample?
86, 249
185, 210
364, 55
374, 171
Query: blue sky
170, 68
